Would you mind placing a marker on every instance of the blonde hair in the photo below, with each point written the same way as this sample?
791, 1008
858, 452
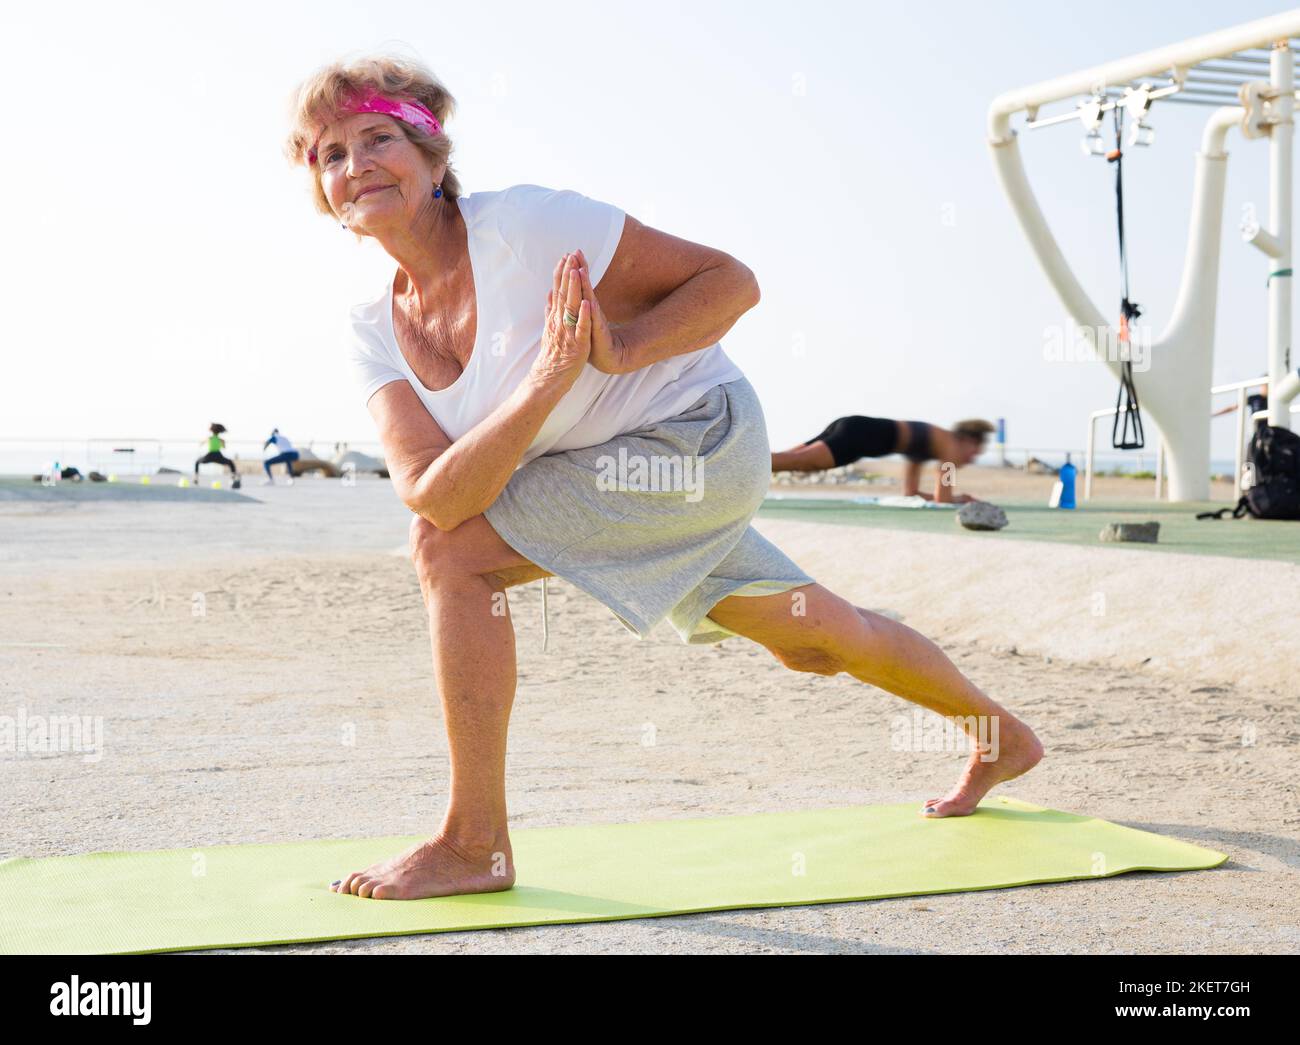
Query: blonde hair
975, 428
319, 100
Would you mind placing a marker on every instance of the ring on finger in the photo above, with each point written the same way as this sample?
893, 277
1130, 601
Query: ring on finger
570, 319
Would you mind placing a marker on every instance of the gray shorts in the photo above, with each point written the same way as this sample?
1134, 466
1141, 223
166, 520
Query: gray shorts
655, 522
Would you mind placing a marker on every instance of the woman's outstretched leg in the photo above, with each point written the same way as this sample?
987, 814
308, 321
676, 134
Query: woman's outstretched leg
814, 457
463, 575
810, 628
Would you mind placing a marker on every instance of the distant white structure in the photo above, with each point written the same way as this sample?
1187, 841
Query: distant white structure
1252, 68
359, 462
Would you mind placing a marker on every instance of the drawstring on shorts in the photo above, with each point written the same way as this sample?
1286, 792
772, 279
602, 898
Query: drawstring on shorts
546, 631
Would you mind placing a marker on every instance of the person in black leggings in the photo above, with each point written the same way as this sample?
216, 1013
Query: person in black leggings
214, 455
849, 439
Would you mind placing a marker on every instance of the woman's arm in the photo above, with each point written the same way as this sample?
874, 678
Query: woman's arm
912, 479
448, 482
663, 296
943, 445
942, 490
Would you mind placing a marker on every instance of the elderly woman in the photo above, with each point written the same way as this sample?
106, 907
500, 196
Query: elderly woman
546, 376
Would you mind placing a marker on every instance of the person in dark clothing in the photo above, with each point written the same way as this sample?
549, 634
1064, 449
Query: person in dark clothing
214, 455
851, 438
282, 452
1255, 403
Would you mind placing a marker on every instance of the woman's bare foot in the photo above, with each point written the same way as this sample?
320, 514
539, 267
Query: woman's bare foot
1018, 752
437, 867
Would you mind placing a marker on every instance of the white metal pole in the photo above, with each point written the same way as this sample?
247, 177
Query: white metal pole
1281, 135
1087, 459
1160, 464
1259, 33
1239, 458
1090, 452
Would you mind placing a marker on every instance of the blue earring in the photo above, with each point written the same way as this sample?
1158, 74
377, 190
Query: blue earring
437, 191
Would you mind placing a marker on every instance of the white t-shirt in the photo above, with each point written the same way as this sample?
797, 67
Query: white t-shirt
278, 445
516, 237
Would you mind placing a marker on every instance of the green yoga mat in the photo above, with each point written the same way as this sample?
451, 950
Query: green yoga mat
242, 895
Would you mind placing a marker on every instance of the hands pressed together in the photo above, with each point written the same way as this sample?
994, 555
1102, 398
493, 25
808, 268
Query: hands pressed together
575, 332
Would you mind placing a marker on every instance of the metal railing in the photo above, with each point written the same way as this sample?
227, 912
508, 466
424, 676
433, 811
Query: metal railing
1244, 425
144, 455
1090, 453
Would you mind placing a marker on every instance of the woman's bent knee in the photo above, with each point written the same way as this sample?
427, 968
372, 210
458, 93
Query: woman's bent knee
432, 550
473, 547
423, 535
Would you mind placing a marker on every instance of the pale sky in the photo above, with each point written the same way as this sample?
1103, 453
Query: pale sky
163, 266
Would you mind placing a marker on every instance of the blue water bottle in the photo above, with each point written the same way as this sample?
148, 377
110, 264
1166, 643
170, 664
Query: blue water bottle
1068, 472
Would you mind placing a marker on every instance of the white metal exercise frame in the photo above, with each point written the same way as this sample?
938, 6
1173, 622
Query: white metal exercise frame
1248, 73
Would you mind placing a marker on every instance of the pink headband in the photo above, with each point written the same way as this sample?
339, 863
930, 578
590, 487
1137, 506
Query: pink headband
407, 111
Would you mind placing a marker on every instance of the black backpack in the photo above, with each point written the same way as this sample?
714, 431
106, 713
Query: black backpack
1275, 461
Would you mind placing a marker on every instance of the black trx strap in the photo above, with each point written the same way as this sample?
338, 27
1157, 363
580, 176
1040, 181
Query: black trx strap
1129, 412
1237, 512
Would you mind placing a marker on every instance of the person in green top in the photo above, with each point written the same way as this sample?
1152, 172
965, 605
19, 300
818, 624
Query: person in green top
215, 446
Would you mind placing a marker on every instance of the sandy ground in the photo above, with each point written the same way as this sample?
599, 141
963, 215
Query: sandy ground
225, 716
